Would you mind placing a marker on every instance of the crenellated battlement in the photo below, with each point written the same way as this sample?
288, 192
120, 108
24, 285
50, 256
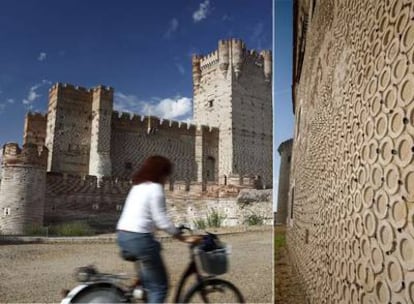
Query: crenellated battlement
36, 115
135, 121
29, 155
209, 60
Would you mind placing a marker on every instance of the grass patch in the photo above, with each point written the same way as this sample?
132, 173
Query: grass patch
280, 242
215, 219
200, 223
254, 220
71, 229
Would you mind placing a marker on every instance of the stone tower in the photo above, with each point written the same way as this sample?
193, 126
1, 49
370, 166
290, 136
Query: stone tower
99, 157
22, 188
285, 151
232, 91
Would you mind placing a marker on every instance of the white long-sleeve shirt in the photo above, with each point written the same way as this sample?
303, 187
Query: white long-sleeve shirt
145, 210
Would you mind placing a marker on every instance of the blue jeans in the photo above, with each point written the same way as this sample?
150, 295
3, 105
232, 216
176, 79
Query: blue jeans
152, 270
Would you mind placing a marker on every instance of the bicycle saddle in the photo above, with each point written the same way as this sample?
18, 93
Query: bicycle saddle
127, 256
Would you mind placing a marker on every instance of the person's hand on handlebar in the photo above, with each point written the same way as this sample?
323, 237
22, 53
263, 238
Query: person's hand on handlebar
189, 239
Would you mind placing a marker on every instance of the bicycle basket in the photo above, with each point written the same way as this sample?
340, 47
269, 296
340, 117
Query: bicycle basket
213, 262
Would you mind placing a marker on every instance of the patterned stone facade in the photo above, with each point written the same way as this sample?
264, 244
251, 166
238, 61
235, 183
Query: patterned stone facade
351, 233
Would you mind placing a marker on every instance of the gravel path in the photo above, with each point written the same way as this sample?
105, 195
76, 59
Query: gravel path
37, 272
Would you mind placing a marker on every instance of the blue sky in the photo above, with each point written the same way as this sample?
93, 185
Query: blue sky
283, 119
141, 48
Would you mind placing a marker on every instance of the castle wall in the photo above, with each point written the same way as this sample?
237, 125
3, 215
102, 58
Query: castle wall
285, 151
69, 129
35, 129
70, 198
134, 138
22, 188
351, 236
252, 121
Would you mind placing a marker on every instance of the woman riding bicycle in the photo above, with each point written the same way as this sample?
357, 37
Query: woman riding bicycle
143, 212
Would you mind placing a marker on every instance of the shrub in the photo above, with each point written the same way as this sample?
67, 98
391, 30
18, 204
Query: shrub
200, 223
71, 229
214, 219
36, 230
254, 219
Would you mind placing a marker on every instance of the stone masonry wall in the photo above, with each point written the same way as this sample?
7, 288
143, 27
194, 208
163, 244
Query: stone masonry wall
253, 120
69, 129
134, 138
232, 91
35, 129
71, 198
22, 188
351, 235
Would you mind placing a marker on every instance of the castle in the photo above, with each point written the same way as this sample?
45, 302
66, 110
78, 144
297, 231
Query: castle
78, 157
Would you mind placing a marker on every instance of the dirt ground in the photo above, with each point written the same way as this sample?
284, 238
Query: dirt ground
38, 272
287, 286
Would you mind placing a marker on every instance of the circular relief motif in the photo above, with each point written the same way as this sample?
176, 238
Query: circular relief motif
381, 204
376, 257
405, 250
403, 19
404, 154
385, 236
390, 97
368, 195
392, 178
377, 176
386, 151
406, 90
399, 69
393, 50
399, 213
396, 123
409, 287
380, 63
407, 40
410, 218
408, 184
382, 292
365, 246
370, 126
355, 249
381, 126
394, 273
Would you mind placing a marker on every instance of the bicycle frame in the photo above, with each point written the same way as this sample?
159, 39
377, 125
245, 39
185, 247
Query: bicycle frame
190, 270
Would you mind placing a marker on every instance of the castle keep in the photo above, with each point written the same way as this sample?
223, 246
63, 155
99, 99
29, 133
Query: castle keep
89, 151
351, 213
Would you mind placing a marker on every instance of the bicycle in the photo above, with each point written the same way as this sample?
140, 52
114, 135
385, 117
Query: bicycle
99, 287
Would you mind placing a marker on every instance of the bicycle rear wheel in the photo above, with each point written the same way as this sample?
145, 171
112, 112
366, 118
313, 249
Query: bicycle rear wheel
214, 291
100, 294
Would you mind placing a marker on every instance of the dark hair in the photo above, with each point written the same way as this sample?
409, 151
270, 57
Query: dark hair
154, 169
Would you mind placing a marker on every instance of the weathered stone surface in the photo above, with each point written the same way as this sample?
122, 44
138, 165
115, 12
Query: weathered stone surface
351, 232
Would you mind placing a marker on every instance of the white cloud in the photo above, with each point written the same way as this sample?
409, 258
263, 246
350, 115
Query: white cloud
172, 28
180, 68
10, 100
32, 95
202, 11
42, 56
179, 108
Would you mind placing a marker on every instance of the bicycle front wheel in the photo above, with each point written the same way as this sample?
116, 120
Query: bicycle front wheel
214, 291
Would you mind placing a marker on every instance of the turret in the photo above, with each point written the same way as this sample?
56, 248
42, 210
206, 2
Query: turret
22, 188
267, 65
223, 55
238, 48
196, 71
99, 157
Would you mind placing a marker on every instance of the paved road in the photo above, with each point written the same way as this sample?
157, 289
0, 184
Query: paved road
37, 272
